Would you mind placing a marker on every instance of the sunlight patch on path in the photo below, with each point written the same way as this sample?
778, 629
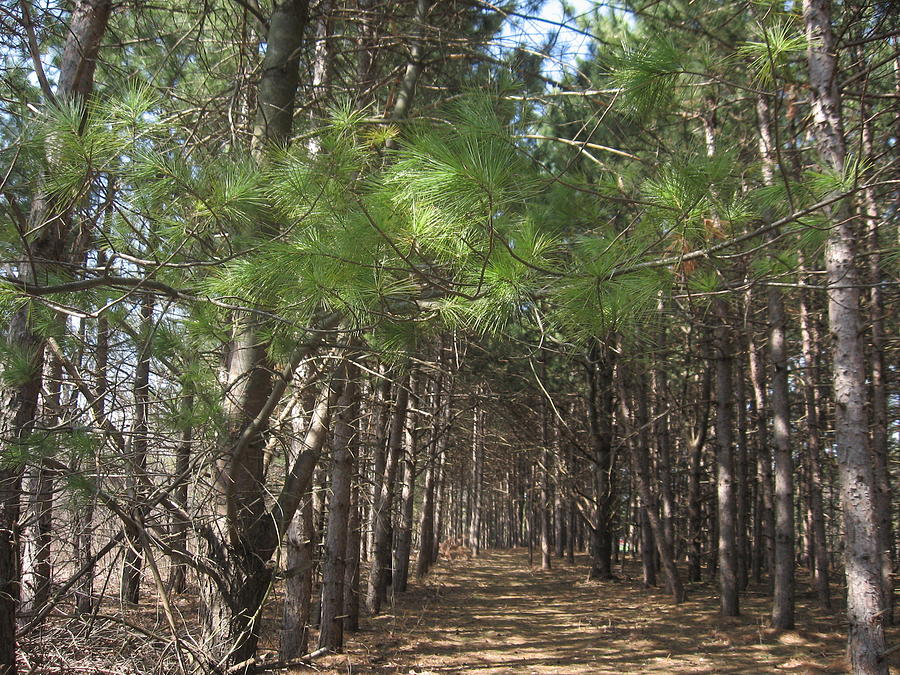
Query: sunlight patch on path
495, 615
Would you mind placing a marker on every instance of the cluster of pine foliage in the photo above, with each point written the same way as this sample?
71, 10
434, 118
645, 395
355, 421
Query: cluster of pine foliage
295, 290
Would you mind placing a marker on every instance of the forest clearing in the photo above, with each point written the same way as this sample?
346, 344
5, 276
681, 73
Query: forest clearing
449, 336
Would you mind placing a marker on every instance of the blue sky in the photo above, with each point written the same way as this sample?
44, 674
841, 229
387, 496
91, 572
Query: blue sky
534, 33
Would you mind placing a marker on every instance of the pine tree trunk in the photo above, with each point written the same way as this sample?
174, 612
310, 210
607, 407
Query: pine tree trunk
862, 557
300, 535
36, 566
49, 233
344, 444
354, 548
573, 523
298, 561
783, 577
695, 475
280, 74
427, 522
878, 393
814, 452
663, 440
654, 524
743, 487
404, 532
137, 460
379, 451
727, 555
783, 597
477, 476
443, 495
83, 507
559, 510
178, 571
600, 415
766, 543
546, 514
380, 570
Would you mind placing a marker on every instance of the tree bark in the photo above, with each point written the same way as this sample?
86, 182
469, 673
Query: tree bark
276, 95
600, 414
862, 558
783, 577
298, 562
36, 566
765, 554
663, 440
354, 548
440, 399
814, 452
728, 585
477, 477
133, 562
695, 454
299, 536
379, 451
744, 484
546, 470
344, 444
783, 597
380, 570
878, 391
403, 536
178, 571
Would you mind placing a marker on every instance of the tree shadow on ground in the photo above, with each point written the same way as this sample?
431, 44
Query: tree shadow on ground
496, 615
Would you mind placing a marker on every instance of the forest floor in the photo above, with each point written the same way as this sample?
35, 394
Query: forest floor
495, 614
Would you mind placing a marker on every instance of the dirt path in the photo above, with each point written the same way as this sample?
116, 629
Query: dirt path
495, 615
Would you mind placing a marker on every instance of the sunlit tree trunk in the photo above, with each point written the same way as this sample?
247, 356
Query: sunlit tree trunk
443, 494
560, 531
178, 572
546, 469
477, 477
36, 567
133, 562
663, 440
696, 443
728, 585
862, 557
354, 548
653, 541
380, 419
48, 228
298, 543
765, 553
439, 398
380, 570
344, 448
878, 390
814, 451
783, 576
404, 531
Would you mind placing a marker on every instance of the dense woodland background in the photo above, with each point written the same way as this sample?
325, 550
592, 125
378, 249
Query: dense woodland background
297, 297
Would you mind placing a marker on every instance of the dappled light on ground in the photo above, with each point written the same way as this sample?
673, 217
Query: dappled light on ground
495, 615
